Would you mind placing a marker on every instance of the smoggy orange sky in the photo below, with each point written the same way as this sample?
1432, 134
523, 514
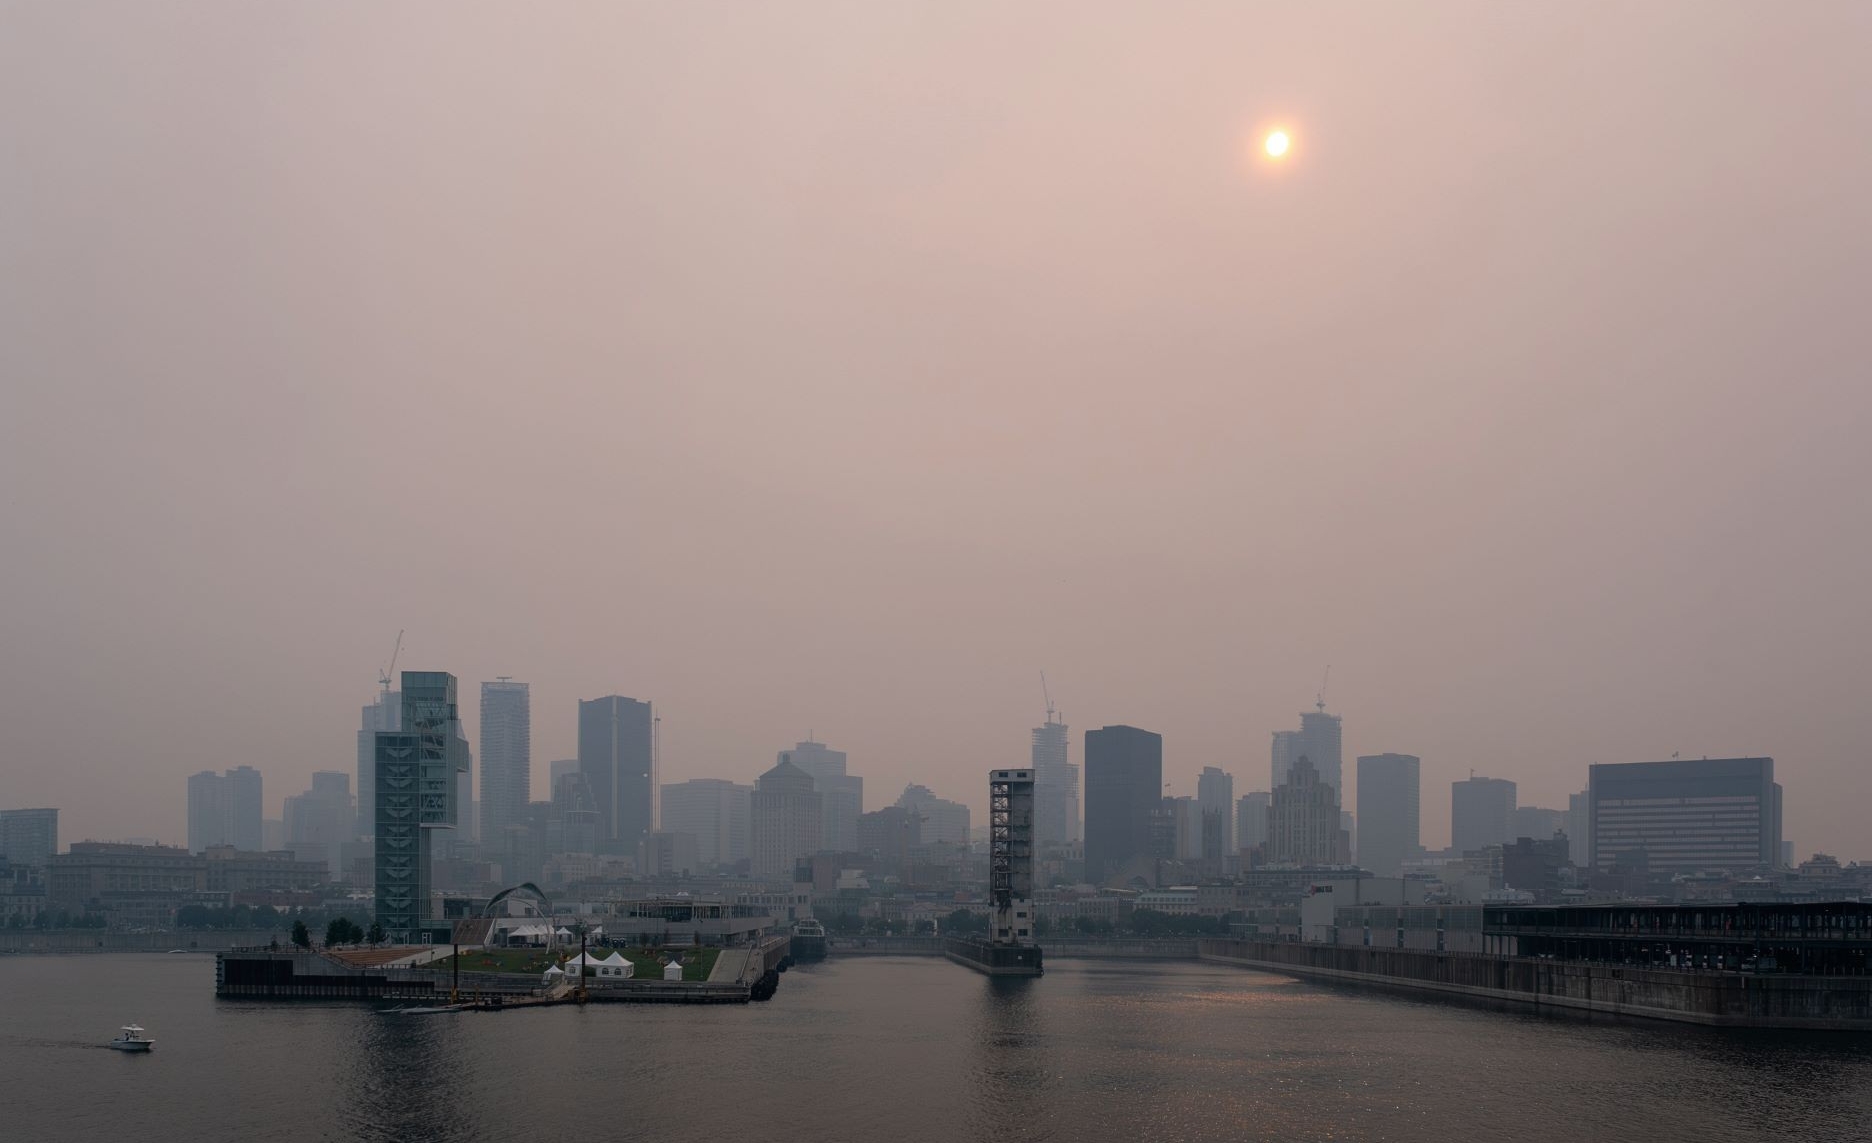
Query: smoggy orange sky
842, 366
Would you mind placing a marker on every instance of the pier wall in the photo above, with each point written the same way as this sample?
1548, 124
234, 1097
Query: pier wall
1054, 949
104, 940
1688, 996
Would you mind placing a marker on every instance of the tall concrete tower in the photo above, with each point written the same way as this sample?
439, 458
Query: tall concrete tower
415, 792
1011, 856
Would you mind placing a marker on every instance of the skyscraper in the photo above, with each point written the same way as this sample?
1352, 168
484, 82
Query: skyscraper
943, 821
1319, 739
1303, 821
415, 793
1251, 819
506, 754
318, 822
1286, 749
1389, 812
1320, 735
1123, 790
225, 809
1056, 783
1579, 828
384, 714
1215, 801
617, 755
1481, 813
784, 816
716, 811
842, 794
1686, 816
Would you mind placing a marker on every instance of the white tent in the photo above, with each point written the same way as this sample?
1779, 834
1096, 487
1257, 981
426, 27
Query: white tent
613, 967
672, 970
553, 976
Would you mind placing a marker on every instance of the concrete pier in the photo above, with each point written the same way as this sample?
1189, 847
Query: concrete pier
1691, 996
994, 960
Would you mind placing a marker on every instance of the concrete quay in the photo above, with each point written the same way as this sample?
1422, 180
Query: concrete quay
1690, 996
991, 959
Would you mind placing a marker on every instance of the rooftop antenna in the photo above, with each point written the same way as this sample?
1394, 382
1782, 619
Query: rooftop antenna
383, 676
1319, 700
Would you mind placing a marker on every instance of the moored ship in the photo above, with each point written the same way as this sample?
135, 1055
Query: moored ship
809, 941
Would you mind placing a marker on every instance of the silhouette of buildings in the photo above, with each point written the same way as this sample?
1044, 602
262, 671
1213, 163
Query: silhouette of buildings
1123, 790
1481, 813
1389, 812
506, 754
785, 815
617, 755
1303, 820
225, 809
1686, 816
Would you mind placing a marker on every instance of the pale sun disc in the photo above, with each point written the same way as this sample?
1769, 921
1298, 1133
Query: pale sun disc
1276, 145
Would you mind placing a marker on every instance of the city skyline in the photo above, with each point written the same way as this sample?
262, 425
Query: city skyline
868, 373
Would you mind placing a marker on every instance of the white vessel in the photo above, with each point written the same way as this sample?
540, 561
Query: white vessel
132, 1040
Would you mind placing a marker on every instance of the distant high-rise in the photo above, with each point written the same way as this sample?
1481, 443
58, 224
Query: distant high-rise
225, 809
842, 794
1287, 748
1123, 789
1056, 783
716, 811
784, 819
416, 788
28, 837
384, 714
1215, 801
943, 822
617, 755
1319, 739
1686, 816
1303, 820
1389, 812
1320, 735
1579, 828
318, 822
1536, 823
1251, 817
506, 754
1481, 813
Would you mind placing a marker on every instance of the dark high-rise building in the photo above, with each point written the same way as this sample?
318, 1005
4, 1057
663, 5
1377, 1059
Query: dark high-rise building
1286, 750
1251, 820
1215, 802
1481, 813
416, 787
617, 755
1389, 812
1303, 820
1685, 816
506, 754
1123, 789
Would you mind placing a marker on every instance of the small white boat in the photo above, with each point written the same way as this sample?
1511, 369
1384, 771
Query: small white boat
133, 1040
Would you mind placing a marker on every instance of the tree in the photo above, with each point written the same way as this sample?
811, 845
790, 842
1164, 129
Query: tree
376, 934
299, 935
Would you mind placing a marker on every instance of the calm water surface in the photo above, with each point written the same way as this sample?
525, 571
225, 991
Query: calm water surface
895, 1049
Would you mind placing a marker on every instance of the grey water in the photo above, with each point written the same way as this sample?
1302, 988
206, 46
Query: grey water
907, 1049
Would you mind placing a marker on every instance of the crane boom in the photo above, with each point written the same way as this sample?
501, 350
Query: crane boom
383, 676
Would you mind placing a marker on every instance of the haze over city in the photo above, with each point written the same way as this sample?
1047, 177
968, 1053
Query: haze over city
839, 372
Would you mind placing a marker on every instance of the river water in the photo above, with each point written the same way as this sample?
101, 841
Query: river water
910, 1049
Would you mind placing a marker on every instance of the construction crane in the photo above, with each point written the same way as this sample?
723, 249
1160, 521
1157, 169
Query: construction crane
1319, 700
383, 676
1048, 695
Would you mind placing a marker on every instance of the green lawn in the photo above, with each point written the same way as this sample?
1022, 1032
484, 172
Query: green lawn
697, 965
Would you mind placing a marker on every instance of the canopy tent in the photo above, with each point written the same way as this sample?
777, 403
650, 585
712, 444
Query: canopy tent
613, 967
672, 970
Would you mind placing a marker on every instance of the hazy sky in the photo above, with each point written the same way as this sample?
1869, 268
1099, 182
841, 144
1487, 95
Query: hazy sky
841, 366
